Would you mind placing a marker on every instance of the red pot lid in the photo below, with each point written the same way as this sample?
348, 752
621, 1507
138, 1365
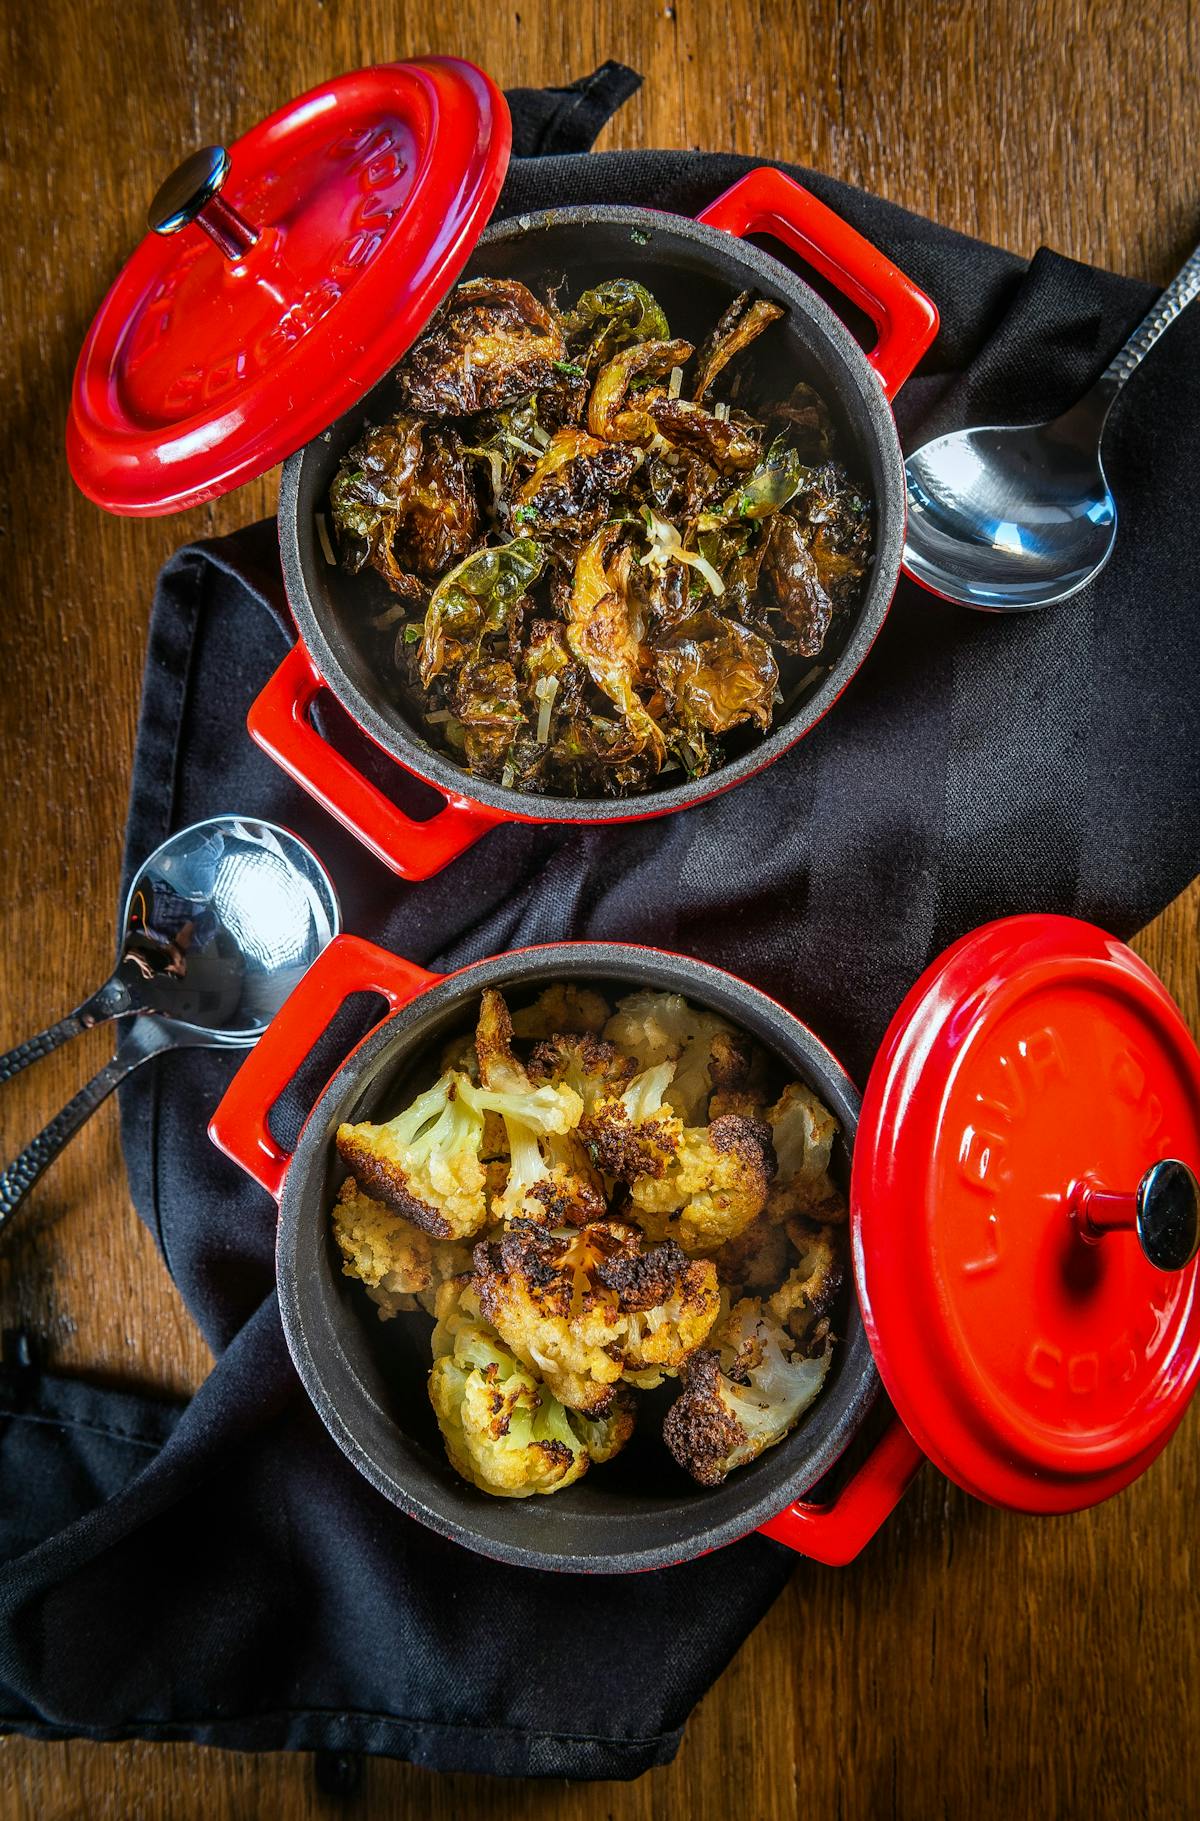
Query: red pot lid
1037, 1065
254, 316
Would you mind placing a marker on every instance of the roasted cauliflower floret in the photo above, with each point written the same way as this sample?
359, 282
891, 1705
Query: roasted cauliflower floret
562, 1009
662, 1027
503, 1430
633, 1131
399, 1265
737, 1069
741, 1395
805, 1301
549, 1179
548, 1174
583, 1306
716, 1184
803, 1131
588, 1064
606, 1435
425, 1164
756, 1261
498, 1066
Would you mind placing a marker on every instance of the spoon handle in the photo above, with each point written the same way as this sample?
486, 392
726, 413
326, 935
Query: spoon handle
148, 1038
112, 1001
1174, 300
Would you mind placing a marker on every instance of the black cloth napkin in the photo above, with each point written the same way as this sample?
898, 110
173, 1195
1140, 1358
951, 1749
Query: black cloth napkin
219, 1572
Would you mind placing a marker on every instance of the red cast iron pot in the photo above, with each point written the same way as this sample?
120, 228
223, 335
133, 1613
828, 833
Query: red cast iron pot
367, 1379
694, 268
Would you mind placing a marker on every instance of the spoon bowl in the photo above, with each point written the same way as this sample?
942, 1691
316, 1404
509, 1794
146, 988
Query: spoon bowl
220, 923
1002, 518
1011, 518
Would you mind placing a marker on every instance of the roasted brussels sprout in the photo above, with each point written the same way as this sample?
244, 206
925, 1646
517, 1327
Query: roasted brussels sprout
612, 555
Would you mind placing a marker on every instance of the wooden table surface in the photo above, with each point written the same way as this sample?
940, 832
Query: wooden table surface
973, 1661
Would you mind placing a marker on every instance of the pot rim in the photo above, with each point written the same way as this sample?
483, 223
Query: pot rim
744, 1503
417, 756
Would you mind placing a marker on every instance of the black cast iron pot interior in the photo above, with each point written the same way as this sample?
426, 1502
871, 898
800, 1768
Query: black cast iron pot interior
695, 271
367, 1378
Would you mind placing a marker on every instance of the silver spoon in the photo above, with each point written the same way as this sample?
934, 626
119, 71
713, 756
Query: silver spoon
1008, 518
220, 924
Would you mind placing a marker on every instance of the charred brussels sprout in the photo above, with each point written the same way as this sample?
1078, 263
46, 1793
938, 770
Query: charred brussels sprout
615, 558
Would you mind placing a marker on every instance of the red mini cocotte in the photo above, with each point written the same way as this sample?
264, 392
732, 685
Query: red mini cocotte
264, 327
1036, 1068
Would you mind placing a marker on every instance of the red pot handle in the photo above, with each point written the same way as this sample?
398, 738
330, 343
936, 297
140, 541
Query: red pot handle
349, 965
835, 1533
280, 722
764, 201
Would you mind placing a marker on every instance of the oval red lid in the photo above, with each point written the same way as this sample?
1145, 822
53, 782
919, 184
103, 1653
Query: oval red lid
203, 369
1036, 1368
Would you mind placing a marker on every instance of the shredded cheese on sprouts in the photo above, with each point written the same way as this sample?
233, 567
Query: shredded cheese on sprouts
492, 458
518, 442
676, 381
389, 616
326, 546
545, 689
666, 546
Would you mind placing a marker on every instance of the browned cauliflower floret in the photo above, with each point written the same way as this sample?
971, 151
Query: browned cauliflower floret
605, 1435
561, 1009
803, 1131
400, 1266
662, 1027
549, 1178
503, 1428
756, 1261
590, 1065
712, 1189
548, 1175
498, 1067
742, 1394
584, 1306
633, 1131
737, 1069
425, 1164
807, 1297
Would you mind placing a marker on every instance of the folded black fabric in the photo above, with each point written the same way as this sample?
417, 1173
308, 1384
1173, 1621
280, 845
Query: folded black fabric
220, 1573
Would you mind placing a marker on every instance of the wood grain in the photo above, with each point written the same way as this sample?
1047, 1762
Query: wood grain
972, 1661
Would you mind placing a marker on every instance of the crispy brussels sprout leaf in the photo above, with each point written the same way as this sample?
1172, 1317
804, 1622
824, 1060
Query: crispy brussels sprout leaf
612, 316
490, 343
792, 573
571, 490
403, 496
610, 414
476, 597
604, 638
744, 320
728, 445
716, 673
776, 480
